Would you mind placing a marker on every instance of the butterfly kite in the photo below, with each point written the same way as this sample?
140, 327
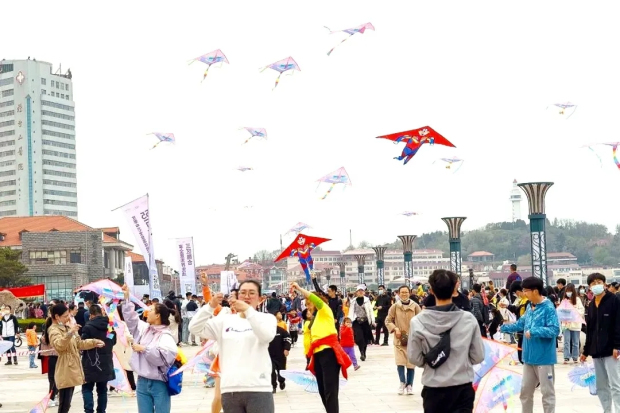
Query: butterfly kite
302, 247
564, 106
260, 133
209, 59
41, 407
453, 160
163, 137
244, 168
298, 228
415, 138
282, 66
339, 176
614, 147
359, 29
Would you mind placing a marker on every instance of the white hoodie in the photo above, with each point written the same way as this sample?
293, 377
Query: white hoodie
243, 347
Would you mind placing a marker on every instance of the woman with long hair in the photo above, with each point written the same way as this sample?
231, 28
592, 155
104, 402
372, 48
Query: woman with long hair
327, 357
363, 317
49, 358
572, 330
154, 352
398, 321
67, 343
175, 319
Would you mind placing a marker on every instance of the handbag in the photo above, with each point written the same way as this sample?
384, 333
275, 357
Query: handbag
404, 338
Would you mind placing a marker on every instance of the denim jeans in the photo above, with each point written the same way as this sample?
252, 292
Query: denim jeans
153, 396
571, 344
401, 375
32, 349
102, 397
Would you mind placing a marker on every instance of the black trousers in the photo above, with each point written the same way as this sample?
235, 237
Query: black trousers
275, 376
483, 329
294, 336
360, 334
327, 372
65, 396
520, 346
51, 371
453, 399
381, 326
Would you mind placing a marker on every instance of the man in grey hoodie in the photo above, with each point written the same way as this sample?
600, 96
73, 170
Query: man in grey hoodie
447, 388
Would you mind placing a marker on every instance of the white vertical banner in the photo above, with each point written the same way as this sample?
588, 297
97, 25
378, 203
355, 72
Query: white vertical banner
228, 281
137, 214
187, 274
129, 274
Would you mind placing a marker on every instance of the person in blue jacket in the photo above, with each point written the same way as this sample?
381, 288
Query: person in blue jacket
540, 327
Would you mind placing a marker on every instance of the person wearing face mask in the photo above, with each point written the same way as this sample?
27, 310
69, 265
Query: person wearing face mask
571, 330
603, 342
67, 343
382, 304
8, 331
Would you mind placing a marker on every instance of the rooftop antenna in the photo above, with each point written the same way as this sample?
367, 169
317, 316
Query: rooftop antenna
350, 238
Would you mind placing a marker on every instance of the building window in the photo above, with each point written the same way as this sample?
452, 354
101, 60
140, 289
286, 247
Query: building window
7, 123
7, 133
56, 124
9, 92
59, 154
59, 193
7, 203
58, 144
67, 86
8, 173
59, 164
67, 97
7, 193
63, 213
57, 115
7, 81
48, 257
7, 103
59, 173
8, 183
7, 113
56, 287
43, 81
56, 105
60, 203
75, 257
62, 86
58, 134
8, 213
7, 143
43, 92
59, 183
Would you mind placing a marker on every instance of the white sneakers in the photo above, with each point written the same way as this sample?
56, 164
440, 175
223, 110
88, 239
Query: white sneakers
52, 403
409, 391
401, 388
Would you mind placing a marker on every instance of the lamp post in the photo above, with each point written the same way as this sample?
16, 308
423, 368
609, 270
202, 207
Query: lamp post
536, 192
328, 274
361, 260
454, 237
407, 241
343, 275
380, 253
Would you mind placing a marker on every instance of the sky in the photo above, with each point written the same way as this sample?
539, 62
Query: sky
481, 73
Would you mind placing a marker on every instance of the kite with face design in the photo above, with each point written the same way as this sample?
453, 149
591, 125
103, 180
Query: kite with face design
302, 247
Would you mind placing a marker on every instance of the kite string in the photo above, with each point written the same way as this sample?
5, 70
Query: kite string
597, 155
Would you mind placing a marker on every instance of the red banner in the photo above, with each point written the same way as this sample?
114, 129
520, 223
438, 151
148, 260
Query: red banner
30, 291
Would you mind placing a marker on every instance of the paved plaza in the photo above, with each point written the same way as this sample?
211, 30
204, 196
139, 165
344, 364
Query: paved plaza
371, 389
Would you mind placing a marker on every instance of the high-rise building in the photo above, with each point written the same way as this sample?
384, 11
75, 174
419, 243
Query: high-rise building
515, 197
37, 140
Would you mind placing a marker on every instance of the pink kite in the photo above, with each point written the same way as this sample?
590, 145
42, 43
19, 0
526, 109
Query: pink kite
339, 176
209, 59
110, 290
359, 29
567, 313
120, 382
41, 407
259, 133
163, 137
282, 66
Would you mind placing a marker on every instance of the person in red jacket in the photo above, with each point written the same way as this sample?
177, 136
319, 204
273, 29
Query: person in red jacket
347, 342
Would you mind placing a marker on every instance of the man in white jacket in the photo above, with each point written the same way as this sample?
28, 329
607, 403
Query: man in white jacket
243, 340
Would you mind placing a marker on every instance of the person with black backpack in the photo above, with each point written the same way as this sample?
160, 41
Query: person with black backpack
480, 310
446, 342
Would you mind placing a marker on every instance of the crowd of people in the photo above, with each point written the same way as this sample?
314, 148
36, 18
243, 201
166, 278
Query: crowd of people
439, 327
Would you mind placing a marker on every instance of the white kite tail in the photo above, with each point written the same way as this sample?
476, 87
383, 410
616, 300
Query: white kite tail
332, 49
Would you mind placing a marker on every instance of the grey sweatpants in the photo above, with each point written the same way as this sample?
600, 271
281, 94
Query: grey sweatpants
607, 371
248, 402
532, 375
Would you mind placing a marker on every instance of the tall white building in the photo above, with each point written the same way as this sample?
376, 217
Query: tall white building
37, 140
515, 198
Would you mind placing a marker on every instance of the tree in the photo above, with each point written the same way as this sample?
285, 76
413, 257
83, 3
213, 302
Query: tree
12, 270
364, 244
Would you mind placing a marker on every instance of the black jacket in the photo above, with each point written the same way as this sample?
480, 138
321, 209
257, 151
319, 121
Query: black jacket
479, 310
335, 304
13, 319
97, 363
603, 327
273, 305
80, 318
385, 302
280, 343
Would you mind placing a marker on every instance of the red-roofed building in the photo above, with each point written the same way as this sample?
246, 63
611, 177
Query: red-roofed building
63, 253
481, 256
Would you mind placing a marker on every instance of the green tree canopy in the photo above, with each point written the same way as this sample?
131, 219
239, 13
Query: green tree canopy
12, 270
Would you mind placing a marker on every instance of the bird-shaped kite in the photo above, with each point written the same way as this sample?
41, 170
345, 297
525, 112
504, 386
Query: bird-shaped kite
282, 66
339, 176
163, 137
415, 138
302, 247
298, 228
359, 29
244, 168
564, 106
209, 59
410, 213
260, 133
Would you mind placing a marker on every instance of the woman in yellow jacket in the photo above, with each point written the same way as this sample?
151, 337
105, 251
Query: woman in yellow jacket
67, 344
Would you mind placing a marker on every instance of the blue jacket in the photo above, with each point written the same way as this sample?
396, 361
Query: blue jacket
543, 325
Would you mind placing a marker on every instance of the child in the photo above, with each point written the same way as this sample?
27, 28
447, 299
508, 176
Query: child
278, 351
281, 322
293, 325
307, 317
497, 321
33, 342
347, 342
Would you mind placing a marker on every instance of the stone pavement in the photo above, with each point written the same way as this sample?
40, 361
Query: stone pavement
371, 389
